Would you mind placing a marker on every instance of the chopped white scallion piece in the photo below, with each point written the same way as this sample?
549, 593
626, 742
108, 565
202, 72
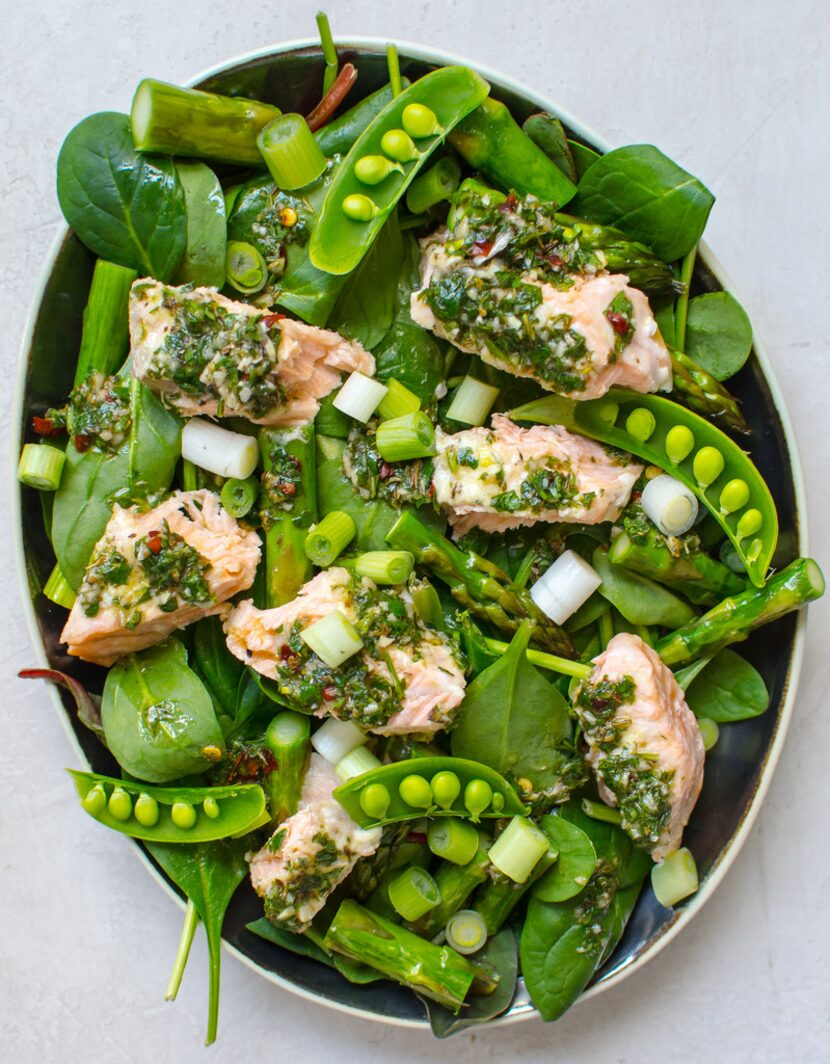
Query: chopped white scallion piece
335, 739
472, 402
565, 586
356, 763
333, 639
359, 397
218, 450
670, 505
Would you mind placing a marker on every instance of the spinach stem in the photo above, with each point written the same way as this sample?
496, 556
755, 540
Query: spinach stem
606, 628
546, 661
394, 69
329, 52
191, 920
682, 309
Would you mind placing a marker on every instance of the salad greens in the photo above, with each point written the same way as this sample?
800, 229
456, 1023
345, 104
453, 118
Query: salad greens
456, 774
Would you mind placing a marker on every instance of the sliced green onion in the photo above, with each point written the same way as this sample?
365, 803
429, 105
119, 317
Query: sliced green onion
453, 840
394, 68
41, 466
670, 505
428, 606
356, 763
402, 438
599, 811
333, 639
245, 268
517, 850
385, 566
709, 732
239, 496
434, 186
675, 878
399, 400
329, 538
565, 586
329, 52
57, 589
413, 892
290, 151
218, 450
466, 932
335, 739
359, 396
472, 402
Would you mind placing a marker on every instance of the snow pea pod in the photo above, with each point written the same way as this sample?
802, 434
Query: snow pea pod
339, 242
336, 137
159, 814
414, 777
689, 448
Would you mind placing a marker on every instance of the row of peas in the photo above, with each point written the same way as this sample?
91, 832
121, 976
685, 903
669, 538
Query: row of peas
423, 795
146, 809
399, 147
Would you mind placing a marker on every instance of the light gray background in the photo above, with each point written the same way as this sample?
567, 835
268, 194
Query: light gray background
737, 92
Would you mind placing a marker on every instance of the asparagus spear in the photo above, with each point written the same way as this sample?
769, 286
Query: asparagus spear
699, 577
699, 390
176, 121
287, 737
105, 337
481, 587
499, 896
456, 883
437, 972
733, 619
289, 486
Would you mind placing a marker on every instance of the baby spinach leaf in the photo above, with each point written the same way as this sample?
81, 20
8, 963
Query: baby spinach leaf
219, 668
158, 716
639, 600
513, 720
574, 865
728, 689
718, 334
500, 955
209, 874
125, 206
647, 195
548, 133
583, 157
664, 316
206, 232
155, 441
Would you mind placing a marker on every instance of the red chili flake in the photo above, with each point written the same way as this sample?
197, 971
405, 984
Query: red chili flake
619, 322
288, 488
286, 652
82, 443
510, 204
385, 471
330, 693
556, 261
270, 320
154, 543
45, 426
482, 247
416, 836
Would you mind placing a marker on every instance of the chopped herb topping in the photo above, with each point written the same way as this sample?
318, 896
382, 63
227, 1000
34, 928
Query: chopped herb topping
398, 483
97, 413
279, 485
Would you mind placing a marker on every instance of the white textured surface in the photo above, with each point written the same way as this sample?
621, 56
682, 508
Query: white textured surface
736, 91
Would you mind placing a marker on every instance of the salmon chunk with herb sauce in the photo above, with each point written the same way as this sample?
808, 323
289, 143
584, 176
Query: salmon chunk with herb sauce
205, 354
310, 853
158, 570
644, 743
505, 477
407, 678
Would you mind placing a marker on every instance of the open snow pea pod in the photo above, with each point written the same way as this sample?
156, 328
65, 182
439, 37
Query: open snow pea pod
502, 797
341, 239
171, 814
709, 463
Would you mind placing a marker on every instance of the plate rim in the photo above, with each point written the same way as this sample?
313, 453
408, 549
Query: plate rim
414, 50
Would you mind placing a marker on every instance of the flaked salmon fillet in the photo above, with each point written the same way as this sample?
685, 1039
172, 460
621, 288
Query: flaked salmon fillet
506, 476
566, 315
206, 354
644, 742
125, 604
310, 853
428, 682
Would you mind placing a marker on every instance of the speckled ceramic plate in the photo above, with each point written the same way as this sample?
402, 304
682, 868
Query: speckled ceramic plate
739, 769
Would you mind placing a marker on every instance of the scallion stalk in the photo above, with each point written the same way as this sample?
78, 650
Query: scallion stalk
41, 466
413, 892
336, 739
356, 763
434, 186
329, 538
466, 932
290, 151
600, 811
220, 451
517, 850
329, 51
402, 438
333, 639
394, 67
287, 738
565, 586
384, 566
359, 396
399, 400
106, 331
239, 496
453, 839
58, 590
472, 402
675, 878
670, 505
245, 268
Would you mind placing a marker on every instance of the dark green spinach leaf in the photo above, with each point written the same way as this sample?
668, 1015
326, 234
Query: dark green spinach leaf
728, 689
648, 196
366, 307
206, 239
354, 971
574, 865
125, 206
583, 157
548, 133
155, 441
639, 600
718, 334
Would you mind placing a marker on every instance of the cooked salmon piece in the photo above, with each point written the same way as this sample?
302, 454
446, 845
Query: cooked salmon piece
644, 743
407, 679
205, 354
505, 477
158, 570
578, 341
310, 853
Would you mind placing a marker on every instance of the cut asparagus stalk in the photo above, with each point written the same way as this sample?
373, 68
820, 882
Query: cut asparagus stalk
699, 390
437, 972
105, 337
287, 737
477, 584
699, 577
733, 619
499, 896
176, 121
456, 883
